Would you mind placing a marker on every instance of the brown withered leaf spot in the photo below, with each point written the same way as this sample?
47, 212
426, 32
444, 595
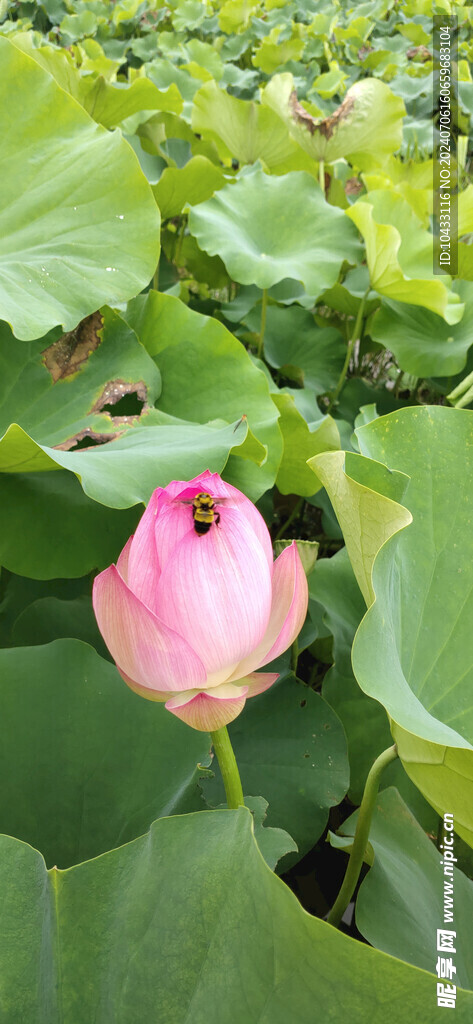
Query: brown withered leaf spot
114, 391
89, 434
299, 114
68, 354
328, 125
353, 187
419, 51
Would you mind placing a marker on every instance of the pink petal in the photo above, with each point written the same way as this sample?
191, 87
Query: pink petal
173, 521
216, 591
208, 712
148, 651
176, 488
143, 691
288, 612
122, 560
143, 566
255, 519
258, 682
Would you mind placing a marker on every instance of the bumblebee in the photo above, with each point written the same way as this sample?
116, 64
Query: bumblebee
204, 513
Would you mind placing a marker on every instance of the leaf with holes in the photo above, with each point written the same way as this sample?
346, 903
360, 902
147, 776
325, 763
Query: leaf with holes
124, 472
83, 388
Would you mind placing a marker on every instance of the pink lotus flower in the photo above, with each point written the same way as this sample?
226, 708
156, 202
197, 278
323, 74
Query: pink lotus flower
189, 617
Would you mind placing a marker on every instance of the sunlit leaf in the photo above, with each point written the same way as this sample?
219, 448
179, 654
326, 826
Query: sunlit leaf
70, 241
266, 229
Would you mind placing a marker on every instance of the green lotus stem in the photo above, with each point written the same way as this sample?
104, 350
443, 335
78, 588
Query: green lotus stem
156, 279
462, 389
465, 400
264, 303
228, 767
351, 343
322, 175
362, 831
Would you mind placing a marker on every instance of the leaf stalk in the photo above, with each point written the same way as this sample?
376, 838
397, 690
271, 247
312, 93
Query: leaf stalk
264, 304
362, 831
355, 336
226, 758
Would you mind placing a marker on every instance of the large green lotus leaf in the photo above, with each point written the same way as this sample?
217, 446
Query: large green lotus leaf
267, 228
234, 15
75, 26
245, 130
400, 903
237, 127
412, 651
203, 268
302, 441
292, 339
106, 102
205, 56
56, 390
365, 497
272, 54
194, 183
124, 472
189, 14
423, 343
333, 586
54, 618
188, 923
18, 593
72, 238
291, 749
274, 843
368, 122
207, 373
399, 253
442, 773
49, 528
87, 764
110, 103
164, 74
